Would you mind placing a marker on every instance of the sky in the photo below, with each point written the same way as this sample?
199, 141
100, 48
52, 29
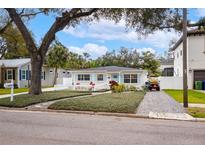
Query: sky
99, 37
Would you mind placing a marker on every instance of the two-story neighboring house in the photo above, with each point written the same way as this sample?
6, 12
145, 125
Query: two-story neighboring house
195, 57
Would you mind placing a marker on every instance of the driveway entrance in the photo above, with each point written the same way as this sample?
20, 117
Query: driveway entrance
160, 102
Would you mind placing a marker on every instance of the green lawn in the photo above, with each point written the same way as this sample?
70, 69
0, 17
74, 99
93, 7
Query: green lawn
197, 112
194, 96
8, 91
113, 102
26, 99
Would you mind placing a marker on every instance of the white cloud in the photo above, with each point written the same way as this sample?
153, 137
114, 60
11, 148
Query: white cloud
201, 12
140, 50
94, 50
108, 30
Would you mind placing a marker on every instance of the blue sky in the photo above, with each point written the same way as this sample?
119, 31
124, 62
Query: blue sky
98, 37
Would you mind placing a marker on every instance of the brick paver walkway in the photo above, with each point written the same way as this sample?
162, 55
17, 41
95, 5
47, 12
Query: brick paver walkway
159, 102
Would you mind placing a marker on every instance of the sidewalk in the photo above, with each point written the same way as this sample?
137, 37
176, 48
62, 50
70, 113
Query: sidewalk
197, 105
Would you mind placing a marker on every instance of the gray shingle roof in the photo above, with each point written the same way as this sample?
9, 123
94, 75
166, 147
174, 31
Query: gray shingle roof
109, 69
14, 62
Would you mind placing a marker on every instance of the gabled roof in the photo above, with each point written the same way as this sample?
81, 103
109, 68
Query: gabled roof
109, 69
14, 62
193, 32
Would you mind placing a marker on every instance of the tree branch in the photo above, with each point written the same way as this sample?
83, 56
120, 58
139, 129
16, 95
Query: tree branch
60, 24
22, 28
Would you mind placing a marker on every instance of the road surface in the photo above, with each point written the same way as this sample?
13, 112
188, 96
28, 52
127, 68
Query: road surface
21, 127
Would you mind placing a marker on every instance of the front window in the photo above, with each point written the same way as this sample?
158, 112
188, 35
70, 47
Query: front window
9, 74
23, 74
100, 77
133, 78
83, 77
127, 78
130, 78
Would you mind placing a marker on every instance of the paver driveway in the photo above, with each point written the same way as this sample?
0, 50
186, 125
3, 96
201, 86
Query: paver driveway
159, 101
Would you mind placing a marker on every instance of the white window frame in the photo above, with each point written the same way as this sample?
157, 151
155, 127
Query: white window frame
101, 79
82, 78
22, 75
130, 78
7, 74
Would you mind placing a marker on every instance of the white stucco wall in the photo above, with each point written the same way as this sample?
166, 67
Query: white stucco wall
142, 78
171, 82
195, 58
178, 61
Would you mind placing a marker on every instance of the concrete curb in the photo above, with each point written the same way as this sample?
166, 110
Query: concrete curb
94, 113
128, 115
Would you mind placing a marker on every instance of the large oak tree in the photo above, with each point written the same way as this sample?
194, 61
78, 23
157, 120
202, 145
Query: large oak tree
144, 21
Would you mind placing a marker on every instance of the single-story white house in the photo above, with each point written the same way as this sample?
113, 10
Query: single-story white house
195, 61
20, 71
100, 77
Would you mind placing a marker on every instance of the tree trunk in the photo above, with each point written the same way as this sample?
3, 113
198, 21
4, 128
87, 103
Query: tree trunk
36, 69
55, 76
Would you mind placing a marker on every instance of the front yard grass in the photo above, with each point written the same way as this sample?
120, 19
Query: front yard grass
113, 102
26, 99
197, 112
193, 96
8, 91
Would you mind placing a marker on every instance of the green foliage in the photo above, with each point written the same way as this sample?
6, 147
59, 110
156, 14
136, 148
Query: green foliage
118, 88
14, 43
130, 88
57, 56
114, 102
123, 57
197, 112
26, 99
150, 63
193, 96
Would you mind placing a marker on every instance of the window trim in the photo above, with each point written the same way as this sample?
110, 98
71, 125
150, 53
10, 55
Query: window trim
83, 78
23, 70
100, 79
7, 74
130, 79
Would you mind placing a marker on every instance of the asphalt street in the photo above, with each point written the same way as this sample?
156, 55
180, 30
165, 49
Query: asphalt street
21, 127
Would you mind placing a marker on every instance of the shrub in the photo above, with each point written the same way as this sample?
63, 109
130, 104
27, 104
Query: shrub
1, 85
131, 88
118, 88
112, 84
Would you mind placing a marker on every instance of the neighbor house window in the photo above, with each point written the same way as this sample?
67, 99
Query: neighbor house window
23, 74
180, 52
9, 74
83, 77
130, 78
100, 77
43, 75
